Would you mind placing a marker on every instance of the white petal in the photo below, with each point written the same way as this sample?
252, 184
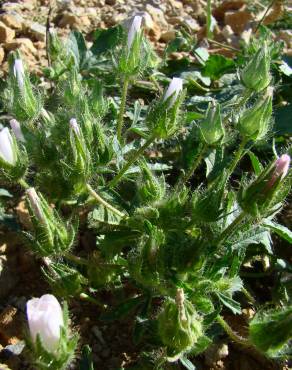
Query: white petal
15, 126
174, 88
134, 28
6, 146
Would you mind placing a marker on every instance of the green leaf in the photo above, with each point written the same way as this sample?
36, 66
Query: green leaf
106, 40
202, 54
230, 303
258, 235
216, 66
5, 193
285, 69
187, 363
280, 230
104, 215
256, 164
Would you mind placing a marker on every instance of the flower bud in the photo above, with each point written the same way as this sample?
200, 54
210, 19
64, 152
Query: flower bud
254, 123
15, 126
267, 190
174, 89
179, 325
7, 152
45, 318
18, 71
280, 170
211, 128
74, 126
51, 235
134, 30
256, 75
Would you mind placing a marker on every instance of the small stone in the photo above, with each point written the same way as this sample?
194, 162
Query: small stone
237, 20
167, 36
215, 353
227, 32
176, 4
2, 56
21, 43
6, 34
192, 24
10, 324
70, 20
37, 31
157, 16
12, 20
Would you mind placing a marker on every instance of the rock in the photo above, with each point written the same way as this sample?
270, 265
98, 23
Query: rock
6, 34
237, 20
2, 55
23, 44
69, 20
192, 24
12, 20
151, 28
227, 32
10, 324
167, 36
215, 353
36, 30
227, 6
157, 16
176, 4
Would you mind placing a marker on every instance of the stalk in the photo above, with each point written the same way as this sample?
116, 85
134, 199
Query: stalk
118, 177
88, 298
230, 229
237, 338
184, 178
75, 259
238, 155
102, 201
122, 109
23, 184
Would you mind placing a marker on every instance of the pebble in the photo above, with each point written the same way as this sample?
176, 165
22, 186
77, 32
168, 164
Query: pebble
6, 34
21, 43
36, 30
12, 20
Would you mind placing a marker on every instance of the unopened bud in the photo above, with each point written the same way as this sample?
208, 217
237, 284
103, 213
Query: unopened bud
45, 318
256, 75
280, 170
134, 29
254, 123
15, 126
18, 71
6, 147
35, 204
174, 89
211, 128
74, 126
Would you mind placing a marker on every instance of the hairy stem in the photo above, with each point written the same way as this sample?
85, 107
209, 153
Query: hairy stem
197, 160
122, 109
23, 184
133, 159
237, 338
75, 259
230, 228
238, 155
86, 297
102, 201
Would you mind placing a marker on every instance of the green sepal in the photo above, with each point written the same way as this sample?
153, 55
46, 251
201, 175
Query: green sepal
211, 128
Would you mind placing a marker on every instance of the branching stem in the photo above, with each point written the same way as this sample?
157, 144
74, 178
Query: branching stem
197, 160
237, 338
230, 228
238, 155
133, 159
86, 297
102, 201
122, 109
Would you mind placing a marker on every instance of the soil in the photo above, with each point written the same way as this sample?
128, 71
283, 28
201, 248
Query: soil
22, 25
